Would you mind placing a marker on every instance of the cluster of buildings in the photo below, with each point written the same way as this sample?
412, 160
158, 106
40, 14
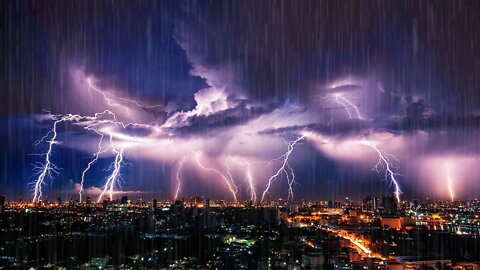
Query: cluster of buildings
386, 234
198, 233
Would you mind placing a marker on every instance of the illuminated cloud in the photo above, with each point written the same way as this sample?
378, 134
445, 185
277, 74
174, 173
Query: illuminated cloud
245, 115
221, 127
449, 175
96, 191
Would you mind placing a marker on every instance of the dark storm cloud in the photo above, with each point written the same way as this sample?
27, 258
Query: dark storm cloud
274, 50
128, 44
237, 115
284, 49
346, 127
416, 70
459, 123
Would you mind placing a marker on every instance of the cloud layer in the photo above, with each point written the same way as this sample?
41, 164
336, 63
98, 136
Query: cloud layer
226, 93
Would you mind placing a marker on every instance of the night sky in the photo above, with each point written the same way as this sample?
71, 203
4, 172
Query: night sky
320, 89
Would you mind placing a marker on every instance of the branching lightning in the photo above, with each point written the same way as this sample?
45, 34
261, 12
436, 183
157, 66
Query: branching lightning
230, 177
348, 105
384, 162
106, 96
110, 99
89, 165
94, 124
115, 176
248, 174
284, 168
290, 181
231, 186
178, 176
107, 128
48, 167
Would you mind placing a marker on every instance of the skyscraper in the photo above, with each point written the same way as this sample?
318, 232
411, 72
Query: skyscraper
154, 204
2, 203
370, 204
389, 205
124, 200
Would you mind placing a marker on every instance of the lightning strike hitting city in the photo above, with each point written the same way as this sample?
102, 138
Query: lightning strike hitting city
272, 134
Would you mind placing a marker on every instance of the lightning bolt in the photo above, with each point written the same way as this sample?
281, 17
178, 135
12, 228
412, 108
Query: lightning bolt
384, 162
449, 181
105, 95
248, 175
347, 104
47, 168
179, 179
138, 104
285, 168
110, 99
290, 181
89, 165
230, 178
231, 187
115, 176
99, 151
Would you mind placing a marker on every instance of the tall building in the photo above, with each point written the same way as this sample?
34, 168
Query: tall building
370, 204
2, 203
124, 200
105, 204
154, 204
333, 204
389, 204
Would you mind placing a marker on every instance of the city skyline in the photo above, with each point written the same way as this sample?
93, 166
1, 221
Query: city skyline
169, 235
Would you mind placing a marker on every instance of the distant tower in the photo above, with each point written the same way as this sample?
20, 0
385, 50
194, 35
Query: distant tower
2, 203
154, 204
105, 204
124, 200
330, 204
370, 204
389, 204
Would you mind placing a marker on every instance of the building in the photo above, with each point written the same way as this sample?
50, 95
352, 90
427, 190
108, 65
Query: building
467, 266
105, 204
391, 222
2, 203
389, 204
154, 204
313, 260
413, 265
294, 207
370, 204
397, 222
124, 200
